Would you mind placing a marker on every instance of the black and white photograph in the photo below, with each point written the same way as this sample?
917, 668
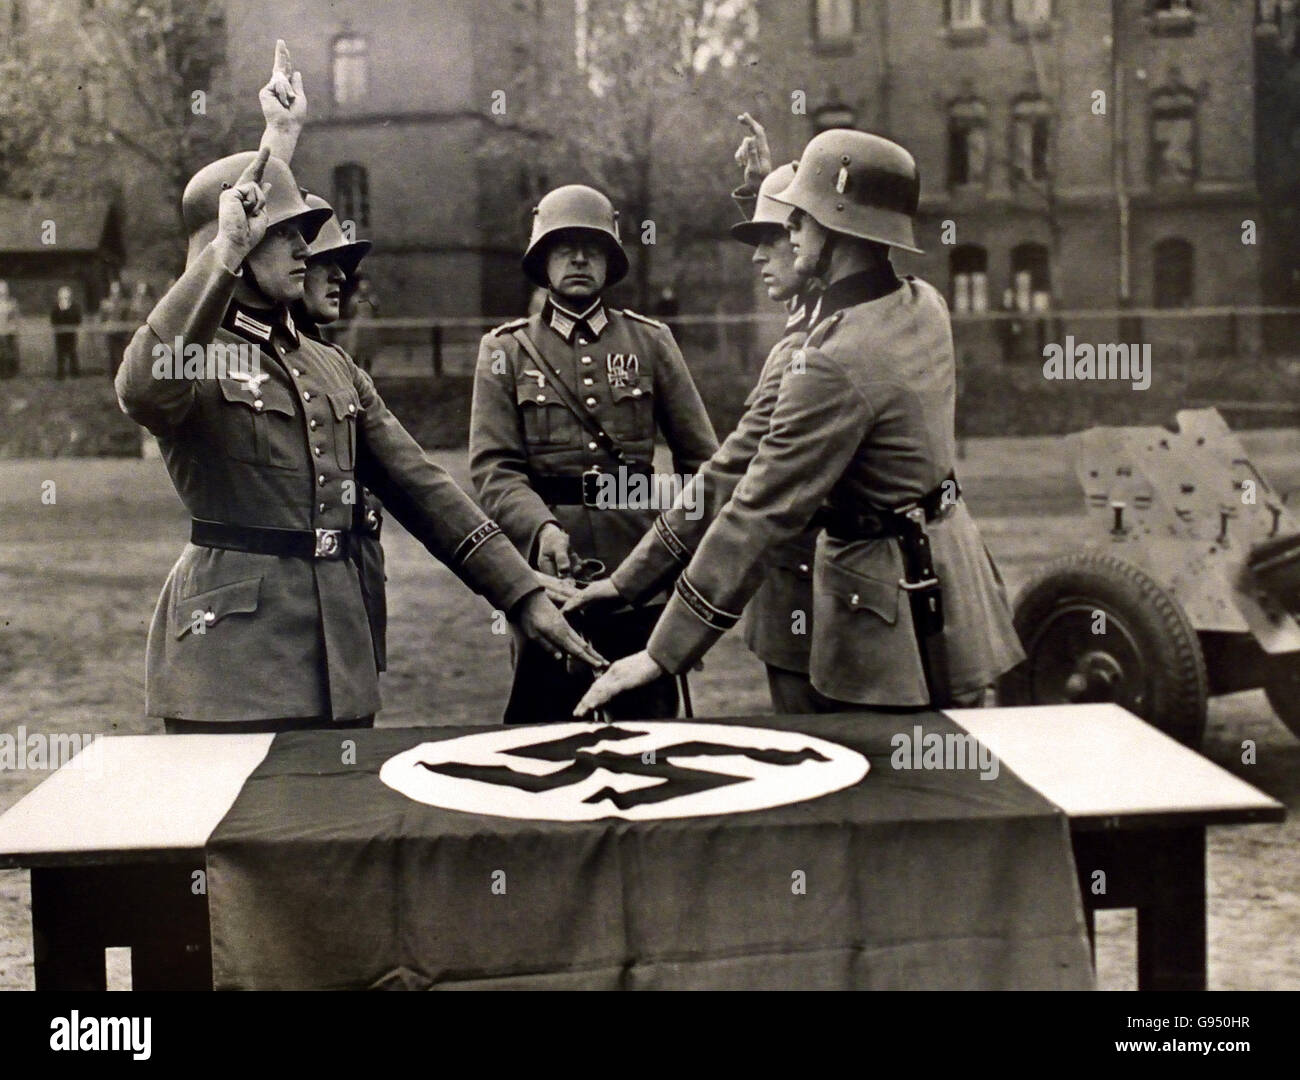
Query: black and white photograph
650, 495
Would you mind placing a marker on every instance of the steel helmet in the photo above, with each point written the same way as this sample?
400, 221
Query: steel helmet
574, 206
284, 201
331, 241
859, 184
767, 211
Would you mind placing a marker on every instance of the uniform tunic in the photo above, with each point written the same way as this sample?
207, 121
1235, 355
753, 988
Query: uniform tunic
243, 636
628, 372
770, 624
865, 419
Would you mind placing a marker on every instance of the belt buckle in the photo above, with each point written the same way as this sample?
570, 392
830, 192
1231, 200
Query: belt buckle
329, 543
590, 486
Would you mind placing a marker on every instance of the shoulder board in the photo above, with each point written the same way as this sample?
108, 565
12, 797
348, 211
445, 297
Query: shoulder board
508, 328
643, 318
823, 328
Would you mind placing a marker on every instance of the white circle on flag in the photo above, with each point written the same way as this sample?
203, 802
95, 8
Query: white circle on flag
638, 770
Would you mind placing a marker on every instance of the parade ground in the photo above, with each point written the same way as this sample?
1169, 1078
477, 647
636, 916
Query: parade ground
80, 572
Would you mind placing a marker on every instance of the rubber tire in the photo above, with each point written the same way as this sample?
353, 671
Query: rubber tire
1283, 690
1177, 685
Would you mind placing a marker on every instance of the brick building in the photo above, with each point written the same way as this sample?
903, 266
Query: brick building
1086, 155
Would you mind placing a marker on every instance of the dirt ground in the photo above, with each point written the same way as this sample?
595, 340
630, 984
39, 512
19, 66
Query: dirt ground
78, 580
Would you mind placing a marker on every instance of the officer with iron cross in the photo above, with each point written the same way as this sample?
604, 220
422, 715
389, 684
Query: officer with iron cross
909, 610
778, 620
261, 625
573, 392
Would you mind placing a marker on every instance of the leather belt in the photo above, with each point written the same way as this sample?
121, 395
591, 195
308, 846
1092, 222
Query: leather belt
260, 540
577, 490
872, 522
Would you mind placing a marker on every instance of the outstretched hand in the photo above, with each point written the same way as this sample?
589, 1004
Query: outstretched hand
639, 669
753, 154
541, 621
600, 591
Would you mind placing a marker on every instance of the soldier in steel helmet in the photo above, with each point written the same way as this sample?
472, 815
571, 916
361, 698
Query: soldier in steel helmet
573, 392
909, 610
778, 620
261, 624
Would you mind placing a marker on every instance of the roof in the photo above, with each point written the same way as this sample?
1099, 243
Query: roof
80, 225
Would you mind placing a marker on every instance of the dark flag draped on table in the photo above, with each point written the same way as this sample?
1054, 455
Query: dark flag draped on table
653, 854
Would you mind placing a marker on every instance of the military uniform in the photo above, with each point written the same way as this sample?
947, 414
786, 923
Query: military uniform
865, 421
528, 452
778, 620
241, 635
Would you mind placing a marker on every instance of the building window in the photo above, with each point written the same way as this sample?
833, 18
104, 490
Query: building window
1031, 127
1174, 272
968, 267
965, 14
834, 21
1173, 137
968, 143
1031, 278
1031, 12
351, 64
352, 194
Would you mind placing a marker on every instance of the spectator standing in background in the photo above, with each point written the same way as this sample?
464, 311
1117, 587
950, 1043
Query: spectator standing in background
8, 333
114, 308
66, 319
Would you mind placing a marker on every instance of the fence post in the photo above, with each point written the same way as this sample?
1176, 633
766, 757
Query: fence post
437, 350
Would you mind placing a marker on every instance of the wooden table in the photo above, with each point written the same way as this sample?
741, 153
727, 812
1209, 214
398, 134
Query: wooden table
116, 852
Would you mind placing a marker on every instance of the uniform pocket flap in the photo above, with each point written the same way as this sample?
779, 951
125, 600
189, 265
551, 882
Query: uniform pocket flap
528, 392
239, 597
858, 592
264, 397
797, 559
345, 404
630, 393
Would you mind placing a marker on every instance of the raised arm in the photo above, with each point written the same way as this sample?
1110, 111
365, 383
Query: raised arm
284, 106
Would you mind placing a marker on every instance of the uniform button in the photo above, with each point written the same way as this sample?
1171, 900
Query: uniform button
321, 507
587, 380
318, 450
209, 616
586, 359
306, 395
591, 402
296, 373
321, 479
258, 403
541, 397
591, 446
352, 408
312, 424
636, 391
803, 568
853, 600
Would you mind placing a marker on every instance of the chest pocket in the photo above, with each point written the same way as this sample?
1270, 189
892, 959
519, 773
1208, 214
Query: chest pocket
252, 425
633, 411
347, 410
546, 419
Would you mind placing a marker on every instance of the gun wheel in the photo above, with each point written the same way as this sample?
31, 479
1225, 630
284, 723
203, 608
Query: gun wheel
1096, 628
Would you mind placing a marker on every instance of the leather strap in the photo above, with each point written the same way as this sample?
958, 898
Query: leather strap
260, 540
603, 438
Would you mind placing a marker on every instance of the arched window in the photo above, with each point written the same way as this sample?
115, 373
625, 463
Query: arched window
351, 62
968, 267
1031, 277
352, 194
968, 142
1174, 269
1031, 127
1173, 136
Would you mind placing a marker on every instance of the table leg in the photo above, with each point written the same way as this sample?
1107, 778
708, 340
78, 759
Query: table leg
78, 912
1161, 873
1171, 928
